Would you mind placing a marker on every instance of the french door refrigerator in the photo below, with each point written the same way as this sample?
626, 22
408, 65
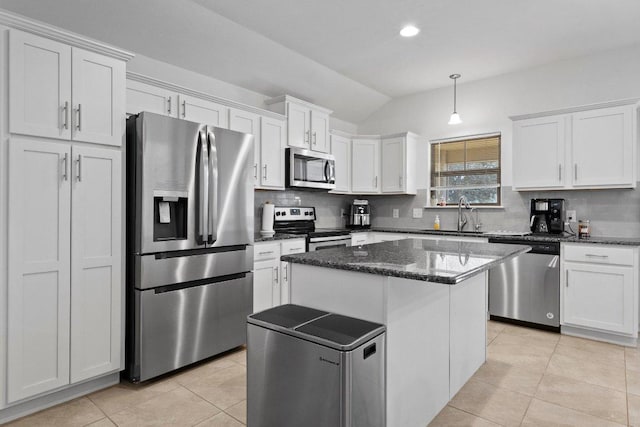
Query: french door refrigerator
189, 236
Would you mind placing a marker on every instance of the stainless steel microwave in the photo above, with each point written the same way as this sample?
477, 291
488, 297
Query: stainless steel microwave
309, 169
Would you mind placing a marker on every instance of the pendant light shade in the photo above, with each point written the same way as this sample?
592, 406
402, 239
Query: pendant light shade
455, 117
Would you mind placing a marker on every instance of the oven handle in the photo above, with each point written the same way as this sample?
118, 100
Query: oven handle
329, 239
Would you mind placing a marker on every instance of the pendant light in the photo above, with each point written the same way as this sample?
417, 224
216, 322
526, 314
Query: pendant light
455, 117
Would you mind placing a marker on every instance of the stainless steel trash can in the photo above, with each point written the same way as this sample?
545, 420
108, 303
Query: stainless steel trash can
307, 367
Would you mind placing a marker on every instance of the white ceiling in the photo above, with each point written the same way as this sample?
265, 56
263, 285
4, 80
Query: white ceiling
347, 55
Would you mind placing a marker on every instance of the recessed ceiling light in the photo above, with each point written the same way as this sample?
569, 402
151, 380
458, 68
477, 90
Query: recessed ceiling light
409, 31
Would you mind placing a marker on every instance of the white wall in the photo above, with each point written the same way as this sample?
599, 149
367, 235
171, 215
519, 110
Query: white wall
486, 104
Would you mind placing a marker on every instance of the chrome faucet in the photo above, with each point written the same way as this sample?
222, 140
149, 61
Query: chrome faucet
462, 218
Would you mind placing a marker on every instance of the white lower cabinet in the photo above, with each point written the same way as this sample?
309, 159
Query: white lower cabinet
270, 275
65, 282
289, 247
599, 289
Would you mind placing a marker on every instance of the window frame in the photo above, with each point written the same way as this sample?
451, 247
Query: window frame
435, 191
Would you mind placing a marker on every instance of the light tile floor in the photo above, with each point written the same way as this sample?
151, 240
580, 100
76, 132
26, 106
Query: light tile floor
531, 378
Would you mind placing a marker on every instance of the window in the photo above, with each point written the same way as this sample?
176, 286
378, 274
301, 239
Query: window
469, 167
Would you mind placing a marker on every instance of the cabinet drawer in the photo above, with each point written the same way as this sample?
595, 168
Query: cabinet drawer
266, 251
295, 246
601, 254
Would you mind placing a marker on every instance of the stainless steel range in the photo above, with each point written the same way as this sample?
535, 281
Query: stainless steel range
301, 220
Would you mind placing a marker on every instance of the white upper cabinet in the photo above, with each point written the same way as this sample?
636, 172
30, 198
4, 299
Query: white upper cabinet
398, 164
144, 97
40, 95
98, 91
307, 124
585, 147
203, 111
63, 92
538, 152
273, 133
603, 148
247, 122
365, 161
319, 131
341, 150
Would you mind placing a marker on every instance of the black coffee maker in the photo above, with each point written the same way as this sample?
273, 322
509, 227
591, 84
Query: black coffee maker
547, 216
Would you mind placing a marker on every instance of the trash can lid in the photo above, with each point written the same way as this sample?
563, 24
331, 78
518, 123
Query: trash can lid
341, 332
287, 315
329, 329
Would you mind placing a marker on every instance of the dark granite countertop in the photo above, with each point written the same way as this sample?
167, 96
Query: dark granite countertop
257, 237
438, 261
601, 240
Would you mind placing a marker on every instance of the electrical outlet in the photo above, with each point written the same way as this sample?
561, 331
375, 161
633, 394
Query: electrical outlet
417, 212
396, 213
571, 216
342, 212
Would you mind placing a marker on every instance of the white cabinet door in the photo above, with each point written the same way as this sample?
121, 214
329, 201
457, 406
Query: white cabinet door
244, 121
143, 97
538, 152
271, 148
40, 95
599, 296
96, 279
319, 131
298, 126
266, 286
393, 165
99, 97
365, 161
602, 148
39, 267
341, 150
203, 111
294, 246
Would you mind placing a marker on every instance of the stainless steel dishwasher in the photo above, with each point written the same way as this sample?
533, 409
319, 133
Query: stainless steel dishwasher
526, 289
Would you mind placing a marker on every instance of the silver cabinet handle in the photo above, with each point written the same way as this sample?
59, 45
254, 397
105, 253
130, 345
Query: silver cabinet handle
169, 105
315, 141
255, 171
295, 249
78, 125
184, 108
276, 271
66, 115
566, 281
400, 181
575, 171
79, 176
306, 136
65, 160
596, 256
265, 253
285, 274
265, 171
375, 182
560, 172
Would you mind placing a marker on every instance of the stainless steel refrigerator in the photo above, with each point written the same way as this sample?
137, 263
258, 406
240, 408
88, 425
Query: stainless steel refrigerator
189, 236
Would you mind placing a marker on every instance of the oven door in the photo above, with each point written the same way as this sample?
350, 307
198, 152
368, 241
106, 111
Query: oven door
318, 243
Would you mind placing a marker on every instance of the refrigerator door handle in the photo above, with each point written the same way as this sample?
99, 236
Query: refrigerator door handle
213, 186
203, 187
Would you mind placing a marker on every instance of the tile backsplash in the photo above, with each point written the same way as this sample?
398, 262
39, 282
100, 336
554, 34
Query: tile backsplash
614, 213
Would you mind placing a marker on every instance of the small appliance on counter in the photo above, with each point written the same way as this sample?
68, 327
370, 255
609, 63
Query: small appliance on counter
547, 216
360, 214
268, 211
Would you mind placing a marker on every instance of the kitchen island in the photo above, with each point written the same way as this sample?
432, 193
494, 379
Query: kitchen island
431, 295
